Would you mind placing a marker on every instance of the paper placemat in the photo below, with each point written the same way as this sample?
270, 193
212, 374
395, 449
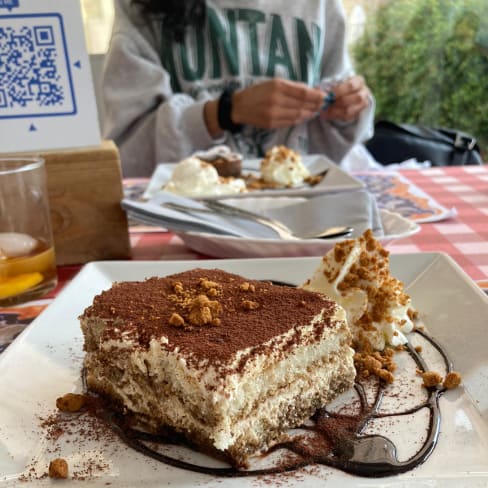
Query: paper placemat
396, 193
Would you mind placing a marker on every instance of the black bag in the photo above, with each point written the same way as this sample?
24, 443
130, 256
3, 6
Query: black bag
393, 143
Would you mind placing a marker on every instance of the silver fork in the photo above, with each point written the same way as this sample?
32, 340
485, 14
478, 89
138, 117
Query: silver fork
216, 207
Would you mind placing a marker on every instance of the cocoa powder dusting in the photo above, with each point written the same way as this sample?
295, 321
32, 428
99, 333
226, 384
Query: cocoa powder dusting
206, 314
70, 439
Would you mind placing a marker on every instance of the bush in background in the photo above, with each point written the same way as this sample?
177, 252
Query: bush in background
426, 62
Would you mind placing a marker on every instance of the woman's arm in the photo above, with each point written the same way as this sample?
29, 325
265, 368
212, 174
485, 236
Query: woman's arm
270, 104
147, 120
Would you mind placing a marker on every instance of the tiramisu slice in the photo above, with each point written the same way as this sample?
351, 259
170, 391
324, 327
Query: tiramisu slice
230, 363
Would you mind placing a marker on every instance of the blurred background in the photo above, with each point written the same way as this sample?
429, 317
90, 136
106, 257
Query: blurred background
426, 61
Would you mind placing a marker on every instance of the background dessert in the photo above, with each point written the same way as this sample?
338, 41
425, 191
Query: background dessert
219, 171
283, 167
193, 177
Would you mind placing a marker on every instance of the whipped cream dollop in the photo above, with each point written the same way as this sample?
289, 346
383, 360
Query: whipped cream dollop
283, 166
356, 274
193, 177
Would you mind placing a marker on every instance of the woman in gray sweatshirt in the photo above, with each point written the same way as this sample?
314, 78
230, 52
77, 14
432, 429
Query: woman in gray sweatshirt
184, 75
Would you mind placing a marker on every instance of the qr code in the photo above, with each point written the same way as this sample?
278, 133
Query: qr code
35, 76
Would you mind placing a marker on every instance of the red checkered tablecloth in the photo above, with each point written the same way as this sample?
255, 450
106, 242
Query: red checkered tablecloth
465, 236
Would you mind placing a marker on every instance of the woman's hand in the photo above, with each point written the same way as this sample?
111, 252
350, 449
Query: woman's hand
276, 103
352, 96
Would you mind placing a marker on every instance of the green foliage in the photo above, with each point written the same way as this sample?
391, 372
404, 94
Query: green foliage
426, 62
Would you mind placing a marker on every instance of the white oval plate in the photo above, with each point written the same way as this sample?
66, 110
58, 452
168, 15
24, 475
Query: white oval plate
221, 246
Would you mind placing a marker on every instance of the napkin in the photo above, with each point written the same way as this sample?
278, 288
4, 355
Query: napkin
153, 212
357, 209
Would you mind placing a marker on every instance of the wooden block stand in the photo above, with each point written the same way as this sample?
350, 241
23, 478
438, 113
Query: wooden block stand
85, 190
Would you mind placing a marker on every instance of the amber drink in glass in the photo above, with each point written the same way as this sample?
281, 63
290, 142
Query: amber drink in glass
27, 260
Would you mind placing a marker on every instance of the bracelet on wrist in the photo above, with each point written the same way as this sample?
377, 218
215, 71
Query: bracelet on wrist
224, 112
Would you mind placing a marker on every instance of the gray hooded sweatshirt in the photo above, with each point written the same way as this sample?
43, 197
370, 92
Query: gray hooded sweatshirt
154, 90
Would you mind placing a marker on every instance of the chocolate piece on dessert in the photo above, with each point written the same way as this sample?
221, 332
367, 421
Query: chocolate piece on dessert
228, 166
227, 163
230, 363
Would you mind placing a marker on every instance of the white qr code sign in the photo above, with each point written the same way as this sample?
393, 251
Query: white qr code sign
47, 99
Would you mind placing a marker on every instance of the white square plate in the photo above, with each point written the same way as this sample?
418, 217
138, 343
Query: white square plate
335, 180
44, 363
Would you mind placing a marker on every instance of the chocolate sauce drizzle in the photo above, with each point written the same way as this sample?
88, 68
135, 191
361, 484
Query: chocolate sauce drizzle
341, 442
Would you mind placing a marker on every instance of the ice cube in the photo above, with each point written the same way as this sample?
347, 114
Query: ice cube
15, 244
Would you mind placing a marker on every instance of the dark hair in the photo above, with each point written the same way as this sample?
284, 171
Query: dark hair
176, 15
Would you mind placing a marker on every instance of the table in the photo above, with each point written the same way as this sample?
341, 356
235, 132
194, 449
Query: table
464, 237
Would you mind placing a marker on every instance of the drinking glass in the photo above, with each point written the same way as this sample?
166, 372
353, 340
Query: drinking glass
27, 260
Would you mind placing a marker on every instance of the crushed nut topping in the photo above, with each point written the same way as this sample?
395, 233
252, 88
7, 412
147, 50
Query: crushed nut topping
213, 292
176, 320
58, 468
385, 375
249, 305
178, 287
313, 180
194, 305
203, 311
452, 380
247, 287
71, 402
376, 363
368, 276
431, 378
206, 284
281, 154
